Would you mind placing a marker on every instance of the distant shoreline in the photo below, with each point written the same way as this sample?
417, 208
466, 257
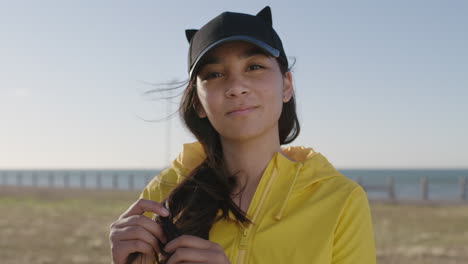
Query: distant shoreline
22, 191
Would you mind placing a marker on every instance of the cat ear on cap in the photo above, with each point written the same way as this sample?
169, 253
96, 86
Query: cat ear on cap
189, 33
265, 14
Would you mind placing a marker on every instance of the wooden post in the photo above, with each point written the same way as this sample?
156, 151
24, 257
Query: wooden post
4, 178
391, 188
98, 181
424, 188
115, 181
51, 179
66, 180
83, 179
34, 179
130, 181
463, 188
147, 178
359, 181
19, 179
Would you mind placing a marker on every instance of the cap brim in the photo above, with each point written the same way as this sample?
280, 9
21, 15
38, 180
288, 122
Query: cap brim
274, 52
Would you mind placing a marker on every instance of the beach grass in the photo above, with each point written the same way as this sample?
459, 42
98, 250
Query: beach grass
430, 233
40, 225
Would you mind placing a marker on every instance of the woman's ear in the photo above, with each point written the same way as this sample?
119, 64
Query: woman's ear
288, 89
201, 112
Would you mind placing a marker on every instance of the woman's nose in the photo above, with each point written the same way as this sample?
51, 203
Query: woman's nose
236, 86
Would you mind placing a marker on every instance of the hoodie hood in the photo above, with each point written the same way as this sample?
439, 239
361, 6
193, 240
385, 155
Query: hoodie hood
302, 167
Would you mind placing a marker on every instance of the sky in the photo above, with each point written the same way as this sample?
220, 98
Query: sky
379, 84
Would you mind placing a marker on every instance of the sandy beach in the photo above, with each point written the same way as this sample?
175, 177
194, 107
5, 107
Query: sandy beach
40, 225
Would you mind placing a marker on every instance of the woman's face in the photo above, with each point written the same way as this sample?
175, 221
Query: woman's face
241, 91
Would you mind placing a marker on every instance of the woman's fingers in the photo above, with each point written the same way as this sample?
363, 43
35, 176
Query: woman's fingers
143, 221
142, 205
188, 249
188, 241
136, 233
183, 255
196, 255
125, 248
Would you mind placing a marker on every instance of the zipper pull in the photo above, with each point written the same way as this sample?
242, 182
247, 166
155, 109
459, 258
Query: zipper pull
243, 242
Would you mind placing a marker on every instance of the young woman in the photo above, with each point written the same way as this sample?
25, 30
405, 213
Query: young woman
236, 195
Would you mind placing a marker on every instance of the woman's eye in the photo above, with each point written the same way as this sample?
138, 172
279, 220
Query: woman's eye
212, 75
255, 67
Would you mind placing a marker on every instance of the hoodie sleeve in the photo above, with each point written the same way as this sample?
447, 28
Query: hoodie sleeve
354, 236
159, 187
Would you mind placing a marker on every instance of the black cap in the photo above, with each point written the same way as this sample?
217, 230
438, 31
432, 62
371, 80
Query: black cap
230, 26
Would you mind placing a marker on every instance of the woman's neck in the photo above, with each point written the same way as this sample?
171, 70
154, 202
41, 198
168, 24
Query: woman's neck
248, 159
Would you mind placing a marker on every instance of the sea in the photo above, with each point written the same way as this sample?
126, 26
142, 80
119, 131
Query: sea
442, 184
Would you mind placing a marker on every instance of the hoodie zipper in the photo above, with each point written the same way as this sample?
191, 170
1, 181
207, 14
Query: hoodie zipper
243, 242
246, 230
243, 246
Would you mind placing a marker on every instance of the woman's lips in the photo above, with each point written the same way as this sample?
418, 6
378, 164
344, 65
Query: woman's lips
242, 111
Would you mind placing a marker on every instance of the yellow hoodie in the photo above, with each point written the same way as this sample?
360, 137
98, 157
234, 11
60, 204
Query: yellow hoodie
304, 211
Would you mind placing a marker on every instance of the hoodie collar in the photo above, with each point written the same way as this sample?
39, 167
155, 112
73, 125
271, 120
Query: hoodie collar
308, 166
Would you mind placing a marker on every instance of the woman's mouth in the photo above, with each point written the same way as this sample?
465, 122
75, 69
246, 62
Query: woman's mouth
241, 111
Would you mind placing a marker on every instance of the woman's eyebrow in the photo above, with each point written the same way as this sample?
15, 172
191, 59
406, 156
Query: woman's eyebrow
244, 55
